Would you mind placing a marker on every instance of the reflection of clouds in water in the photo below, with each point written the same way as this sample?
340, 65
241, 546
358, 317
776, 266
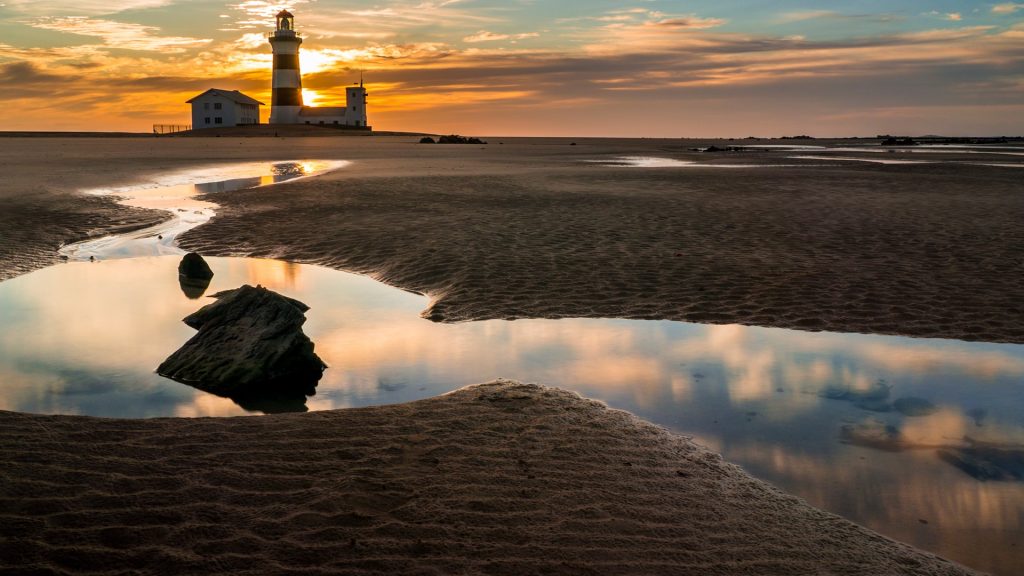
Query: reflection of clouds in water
207, 405
917, 484
927, 360
748, 364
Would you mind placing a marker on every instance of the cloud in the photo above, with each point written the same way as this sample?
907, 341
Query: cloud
1007, 8
806, 15
119, 35
79, 7
22, 72
485, 36
687, 22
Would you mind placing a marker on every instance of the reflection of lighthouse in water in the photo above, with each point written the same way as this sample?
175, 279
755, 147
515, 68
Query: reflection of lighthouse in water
286, 102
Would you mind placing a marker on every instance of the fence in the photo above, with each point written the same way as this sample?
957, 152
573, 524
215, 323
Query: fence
170, 128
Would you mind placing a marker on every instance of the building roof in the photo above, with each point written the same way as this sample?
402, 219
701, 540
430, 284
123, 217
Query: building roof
285, 14
233, 95
325, 111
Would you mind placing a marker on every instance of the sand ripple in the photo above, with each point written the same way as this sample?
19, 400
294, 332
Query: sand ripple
501, 478
923, 251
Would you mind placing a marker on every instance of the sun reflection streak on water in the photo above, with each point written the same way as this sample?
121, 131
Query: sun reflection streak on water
178, 192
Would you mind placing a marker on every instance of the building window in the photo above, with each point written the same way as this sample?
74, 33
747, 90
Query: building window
335, 121
353, 107
206, 105
218, 120
216, 105
207, 119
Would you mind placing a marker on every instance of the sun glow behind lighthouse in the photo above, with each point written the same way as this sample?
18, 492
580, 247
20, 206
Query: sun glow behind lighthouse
664, 67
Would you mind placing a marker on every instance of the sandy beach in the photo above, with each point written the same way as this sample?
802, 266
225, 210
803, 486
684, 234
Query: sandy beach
503, 478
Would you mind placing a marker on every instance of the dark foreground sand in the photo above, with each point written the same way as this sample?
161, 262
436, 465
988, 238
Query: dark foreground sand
502, 478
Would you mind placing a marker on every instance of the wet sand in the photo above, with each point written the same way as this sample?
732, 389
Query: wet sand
502, 478
528, 228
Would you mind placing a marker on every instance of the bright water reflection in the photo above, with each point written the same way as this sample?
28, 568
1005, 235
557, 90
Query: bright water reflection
85, 337
177, 193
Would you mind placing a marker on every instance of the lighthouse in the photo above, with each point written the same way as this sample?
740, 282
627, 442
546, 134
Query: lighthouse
286, 101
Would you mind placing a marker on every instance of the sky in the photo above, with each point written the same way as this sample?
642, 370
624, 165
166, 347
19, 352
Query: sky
654, 68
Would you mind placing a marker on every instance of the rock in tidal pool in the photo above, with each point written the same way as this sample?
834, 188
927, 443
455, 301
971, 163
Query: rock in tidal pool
194, 275
250, 347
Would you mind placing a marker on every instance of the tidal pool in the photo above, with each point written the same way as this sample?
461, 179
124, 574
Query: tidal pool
85, 337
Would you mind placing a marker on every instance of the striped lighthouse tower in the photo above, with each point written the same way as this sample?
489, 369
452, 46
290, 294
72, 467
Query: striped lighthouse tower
286, 101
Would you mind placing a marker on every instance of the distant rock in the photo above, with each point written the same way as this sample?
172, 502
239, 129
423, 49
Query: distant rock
194, 275
250, 347
456, 139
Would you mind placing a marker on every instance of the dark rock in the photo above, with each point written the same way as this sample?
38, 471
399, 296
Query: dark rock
911, 406
250, 347
427, 140
193, 266
456, 139
194, 275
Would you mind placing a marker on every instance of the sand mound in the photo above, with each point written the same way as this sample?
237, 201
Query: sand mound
502, 478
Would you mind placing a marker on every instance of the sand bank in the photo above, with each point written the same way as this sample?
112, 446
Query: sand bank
501, 478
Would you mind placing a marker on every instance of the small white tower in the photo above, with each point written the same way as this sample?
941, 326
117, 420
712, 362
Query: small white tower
286, 102
355, 99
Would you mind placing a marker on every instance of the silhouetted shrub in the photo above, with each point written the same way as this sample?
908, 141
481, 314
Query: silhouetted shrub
427, 140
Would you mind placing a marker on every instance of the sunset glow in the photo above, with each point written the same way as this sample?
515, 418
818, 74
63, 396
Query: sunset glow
654, 68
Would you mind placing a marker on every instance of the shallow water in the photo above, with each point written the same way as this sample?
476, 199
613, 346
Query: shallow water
177, 192
84, 338
659, 162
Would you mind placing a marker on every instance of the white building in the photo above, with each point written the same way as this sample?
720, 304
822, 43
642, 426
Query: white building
218, 108
286, 104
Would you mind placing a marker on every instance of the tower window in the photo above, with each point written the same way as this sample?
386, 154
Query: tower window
218, 120
216, 106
